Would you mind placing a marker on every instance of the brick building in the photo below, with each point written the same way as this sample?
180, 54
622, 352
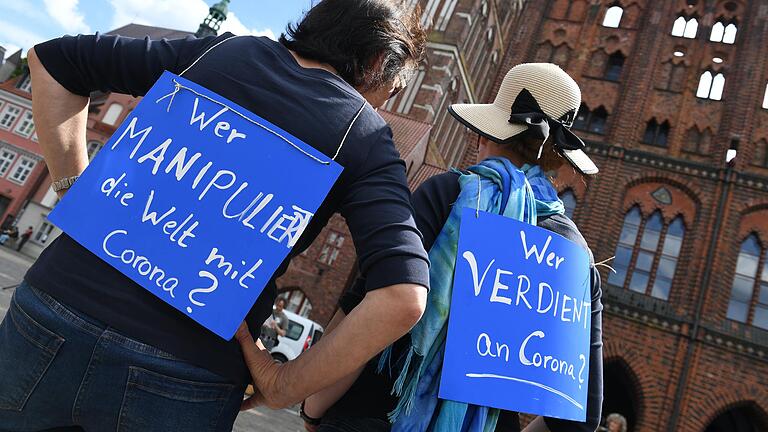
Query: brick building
21, 161
675, 113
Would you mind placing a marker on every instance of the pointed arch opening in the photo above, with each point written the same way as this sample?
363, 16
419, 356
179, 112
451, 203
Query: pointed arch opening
621, 392
745, 417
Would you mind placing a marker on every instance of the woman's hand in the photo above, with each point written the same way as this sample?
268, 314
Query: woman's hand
269, 390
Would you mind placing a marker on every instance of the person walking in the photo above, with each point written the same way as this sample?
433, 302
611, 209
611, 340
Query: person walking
276, 325
24, 238
101, 352
524, 133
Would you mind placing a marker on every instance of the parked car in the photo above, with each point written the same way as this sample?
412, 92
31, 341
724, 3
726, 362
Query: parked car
301, 334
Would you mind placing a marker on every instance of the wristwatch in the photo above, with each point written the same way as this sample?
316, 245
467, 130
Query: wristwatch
310, 420
65, 183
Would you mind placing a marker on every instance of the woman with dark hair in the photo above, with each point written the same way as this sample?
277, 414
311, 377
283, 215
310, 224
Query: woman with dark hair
102, 353
524, 133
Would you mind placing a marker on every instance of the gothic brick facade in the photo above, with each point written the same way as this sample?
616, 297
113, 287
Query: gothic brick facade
685, 354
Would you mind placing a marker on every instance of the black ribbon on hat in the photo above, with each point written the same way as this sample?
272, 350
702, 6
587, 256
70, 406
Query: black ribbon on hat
526, 110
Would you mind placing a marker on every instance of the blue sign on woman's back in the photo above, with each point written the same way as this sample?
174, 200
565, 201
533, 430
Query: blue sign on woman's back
197, 200
519, 327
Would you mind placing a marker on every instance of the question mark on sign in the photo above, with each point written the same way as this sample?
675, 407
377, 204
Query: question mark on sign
581, 371
212, 288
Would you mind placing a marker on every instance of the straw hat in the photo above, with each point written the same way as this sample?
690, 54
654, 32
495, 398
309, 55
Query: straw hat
536, 97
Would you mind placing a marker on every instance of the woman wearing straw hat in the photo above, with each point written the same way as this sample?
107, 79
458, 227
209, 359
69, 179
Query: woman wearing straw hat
524, 133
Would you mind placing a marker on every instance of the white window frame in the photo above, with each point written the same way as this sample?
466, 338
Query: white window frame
93, 147
19, 161
26, 124
26, 84
446, 13
6, 164
113, 121
409, 95
429, 12
4, 112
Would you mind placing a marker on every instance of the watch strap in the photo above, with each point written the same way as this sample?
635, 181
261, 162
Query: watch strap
64, 183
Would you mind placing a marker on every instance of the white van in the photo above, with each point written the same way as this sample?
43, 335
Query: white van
302, 333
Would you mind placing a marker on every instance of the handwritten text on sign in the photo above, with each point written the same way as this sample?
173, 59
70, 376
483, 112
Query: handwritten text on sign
519, 328
196, 203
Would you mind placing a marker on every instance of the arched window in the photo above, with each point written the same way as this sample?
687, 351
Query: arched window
672, 77
765, 97
723, 33
333, 244
761, 154
626, 244
697, 142
591, 121
614, 66
646, 262
613, 17
569, 201
665, 272
711, 87
113, 114
685, 27
749, 292
656, 133
297, 302
598, 120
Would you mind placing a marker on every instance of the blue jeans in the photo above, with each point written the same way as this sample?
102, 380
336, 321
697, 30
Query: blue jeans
61, 369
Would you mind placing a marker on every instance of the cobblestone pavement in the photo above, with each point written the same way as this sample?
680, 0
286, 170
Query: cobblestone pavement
265, 420
13, 266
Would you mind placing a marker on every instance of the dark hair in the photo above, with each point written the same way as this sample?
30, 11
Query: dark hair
369, 42
281, 299
528, 149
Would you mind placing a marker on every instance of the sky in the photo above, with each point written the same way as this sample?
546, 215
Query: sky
24, 23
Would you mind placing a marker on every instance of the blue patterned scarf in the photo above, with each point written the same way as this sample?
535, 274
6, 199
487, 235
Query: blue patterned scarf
521, 194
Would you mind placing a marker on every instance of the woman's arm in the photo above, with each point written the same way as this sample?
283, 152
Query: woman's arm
61, 118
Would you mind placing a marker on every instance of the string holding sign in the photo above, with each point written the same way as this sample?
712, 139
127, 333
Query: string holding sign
178, 87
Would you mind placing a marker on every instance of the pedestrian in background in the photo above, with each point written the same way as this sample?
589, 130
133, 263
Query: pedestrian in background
276, 325
25, 238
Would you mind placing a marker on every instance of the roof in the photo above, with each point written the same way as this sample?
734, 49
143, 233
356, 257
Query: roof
425, 171
141, 31
408, 133
14, 58
10, 87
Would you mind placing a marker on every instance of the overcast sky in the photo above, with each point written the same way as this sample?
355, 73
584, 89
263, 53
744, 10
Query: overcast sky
24, 23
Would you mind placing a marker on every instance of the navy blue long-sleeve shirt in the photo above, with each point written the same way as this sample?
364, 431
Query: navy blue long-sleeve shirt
314, 105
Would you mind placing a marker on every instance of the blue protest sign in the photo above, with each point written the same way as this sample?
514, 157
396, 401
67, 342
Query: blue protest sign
197, 200
519, 326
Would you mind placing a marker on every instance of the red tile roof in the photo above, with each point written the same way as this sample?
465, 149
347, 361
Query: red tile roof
408, 133
10, 87
426, 171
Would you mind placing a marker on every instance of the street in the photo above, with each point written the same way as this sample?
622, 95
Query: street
12, 269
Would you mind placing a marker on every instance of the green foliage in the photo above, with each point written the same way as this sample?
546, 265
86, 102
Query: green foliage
21, 68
